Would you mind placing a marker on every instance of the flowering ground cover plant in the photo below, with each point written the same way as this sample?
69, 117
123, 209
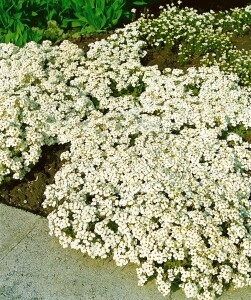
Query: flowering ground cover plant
206, 37
158, 169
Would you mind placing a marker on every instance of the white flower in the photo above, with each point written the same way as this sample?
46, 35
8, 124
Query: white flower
158, 168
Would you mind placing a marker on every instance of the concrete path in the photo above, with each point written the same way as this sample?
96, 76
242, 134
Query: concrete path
34, 266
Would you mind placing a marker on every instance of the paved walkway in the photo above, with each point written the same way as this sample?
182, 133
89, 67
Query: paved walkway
34, 266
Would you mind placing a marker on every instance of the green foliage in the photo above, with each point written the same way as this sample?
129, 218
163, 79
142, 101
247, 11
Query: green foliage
240, 130
14, 21
53, 32
113, 226
170, 264
101, 15
25, 20
232, 61
95, 15
69, 231
47, 10
192, 89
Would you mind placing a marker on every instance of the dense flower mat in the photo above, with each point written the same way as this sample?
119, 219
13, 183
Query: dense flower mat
158, 171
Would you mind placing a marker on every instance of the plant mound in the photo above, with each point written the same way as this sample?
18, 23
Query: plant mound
158, 169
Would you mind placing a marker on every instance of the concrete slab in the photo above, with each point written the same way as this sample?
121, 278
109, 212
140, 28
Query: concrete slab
34, 266
17, 225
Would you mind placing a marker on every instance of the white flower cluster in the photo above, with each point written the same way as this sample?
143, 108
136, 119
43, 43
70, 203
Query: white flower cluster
232, 61
154, 182
237, 20
156, 173
196, 35
36, 102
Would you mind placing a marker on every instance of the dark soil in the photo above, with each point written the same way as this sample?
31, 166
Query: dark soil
28, 193
164, 58
84, 42
243, 42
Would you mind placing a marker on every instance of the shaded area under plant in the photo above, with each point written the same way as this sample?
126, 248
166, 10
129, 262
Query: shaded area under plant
28, 192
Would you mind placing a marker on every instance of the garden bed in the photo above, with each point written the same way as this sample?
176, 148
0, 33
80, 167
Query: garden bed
28, 193
137, 147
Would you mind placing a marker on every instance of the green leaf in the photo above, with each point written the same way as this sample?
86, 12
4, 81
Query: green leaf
118, 4
90, 16
7, 10
127, 14
110, 12
99, 12
103, 22
36, 34
11, 22
17, 16
19, 27
19, 5
8, 37
139, 3
77, 23
100, 4
78, 5
66, 4
117, 16
51, 14
25, 36
33, 13
16, 37
65, 22
80, 17
92, 2
88, 29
